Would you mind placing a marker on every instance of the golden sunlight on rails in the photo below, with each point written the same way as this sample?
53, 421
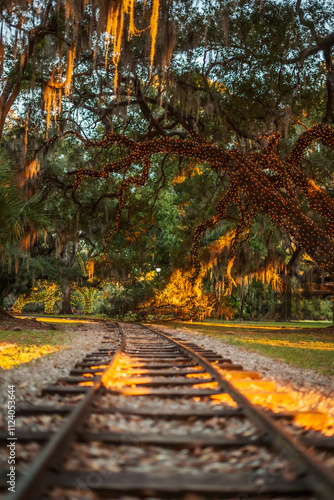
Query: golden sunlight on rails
198, 375
264, 393
207, 385
266, 385
134, 391
112, 377
315, 420
222, 398
133, 372
128, 378
124, 379
237, 374
269, 399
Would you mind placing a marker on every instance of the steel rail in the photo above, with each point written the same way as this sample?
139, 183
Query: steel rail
37, 477
323, 483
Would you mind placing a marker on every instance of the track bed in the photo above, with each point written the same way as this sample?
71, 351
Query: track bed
148, 415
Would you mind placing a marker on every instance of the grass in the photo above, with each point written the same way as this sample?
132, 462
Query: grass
25, 346
274, 325
313, 348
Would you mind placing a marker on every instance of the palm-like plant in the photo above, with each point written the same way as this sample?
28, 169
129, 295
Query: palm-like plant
20, 219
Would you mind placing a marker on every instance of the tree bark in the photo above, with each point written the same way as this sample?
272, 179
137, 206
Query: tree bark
287, 285
66, 308
242, 305
4, 315
287, 298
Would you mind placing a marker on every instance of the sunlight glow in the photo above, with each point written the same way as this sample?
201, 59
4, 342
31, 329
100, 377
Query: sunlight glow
127, 379
300, 344
12, 355
223, 398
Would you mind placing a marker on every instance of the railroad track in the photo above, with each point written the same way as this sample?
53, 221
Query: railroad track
148, 415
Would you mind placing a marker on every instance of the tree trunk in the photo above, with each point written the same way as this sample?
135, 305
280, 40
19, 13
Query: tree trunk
241, 318
287, 298
66, 309
4, 315
287, 285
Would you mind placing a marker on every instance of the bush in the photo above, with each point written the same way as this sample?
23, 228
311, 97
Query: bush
312, 309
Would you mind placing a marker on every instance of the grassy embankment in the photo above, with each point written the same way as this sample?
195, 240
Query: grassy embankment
303, 344
18, 347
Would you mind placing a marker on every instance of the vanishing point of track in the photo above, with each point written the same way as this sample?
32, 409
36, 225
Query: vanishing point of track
141, 373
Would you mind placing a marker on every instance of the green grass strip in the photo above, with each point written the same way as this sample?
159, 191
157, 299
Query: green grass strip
304, 348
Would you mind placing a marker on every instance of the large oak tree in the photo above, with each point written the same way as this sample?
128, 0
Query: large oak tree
240, 90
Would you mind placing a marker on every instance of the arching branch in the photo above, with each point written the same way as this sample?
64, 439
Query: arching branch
249, 172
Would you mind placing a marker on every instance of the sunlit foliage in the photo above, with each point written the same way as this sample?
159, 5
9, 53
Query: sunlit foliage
42, 291
180, 299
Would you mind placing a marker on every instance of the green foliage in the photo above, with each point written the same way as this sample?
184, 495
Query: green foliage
258, 300
312, 309
18, 217
237, 69
121, 301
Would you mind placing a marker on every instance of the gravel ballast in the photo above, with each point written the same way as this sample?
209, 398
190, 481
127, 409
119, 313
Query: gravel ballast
30, 378
310, 390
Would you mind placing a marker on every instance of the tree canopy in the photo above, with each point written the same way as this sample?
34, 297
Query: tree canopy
172, 135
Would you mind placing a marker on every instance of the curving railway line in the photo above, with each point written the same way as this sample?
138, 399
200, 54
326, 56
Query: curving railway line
150, 416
